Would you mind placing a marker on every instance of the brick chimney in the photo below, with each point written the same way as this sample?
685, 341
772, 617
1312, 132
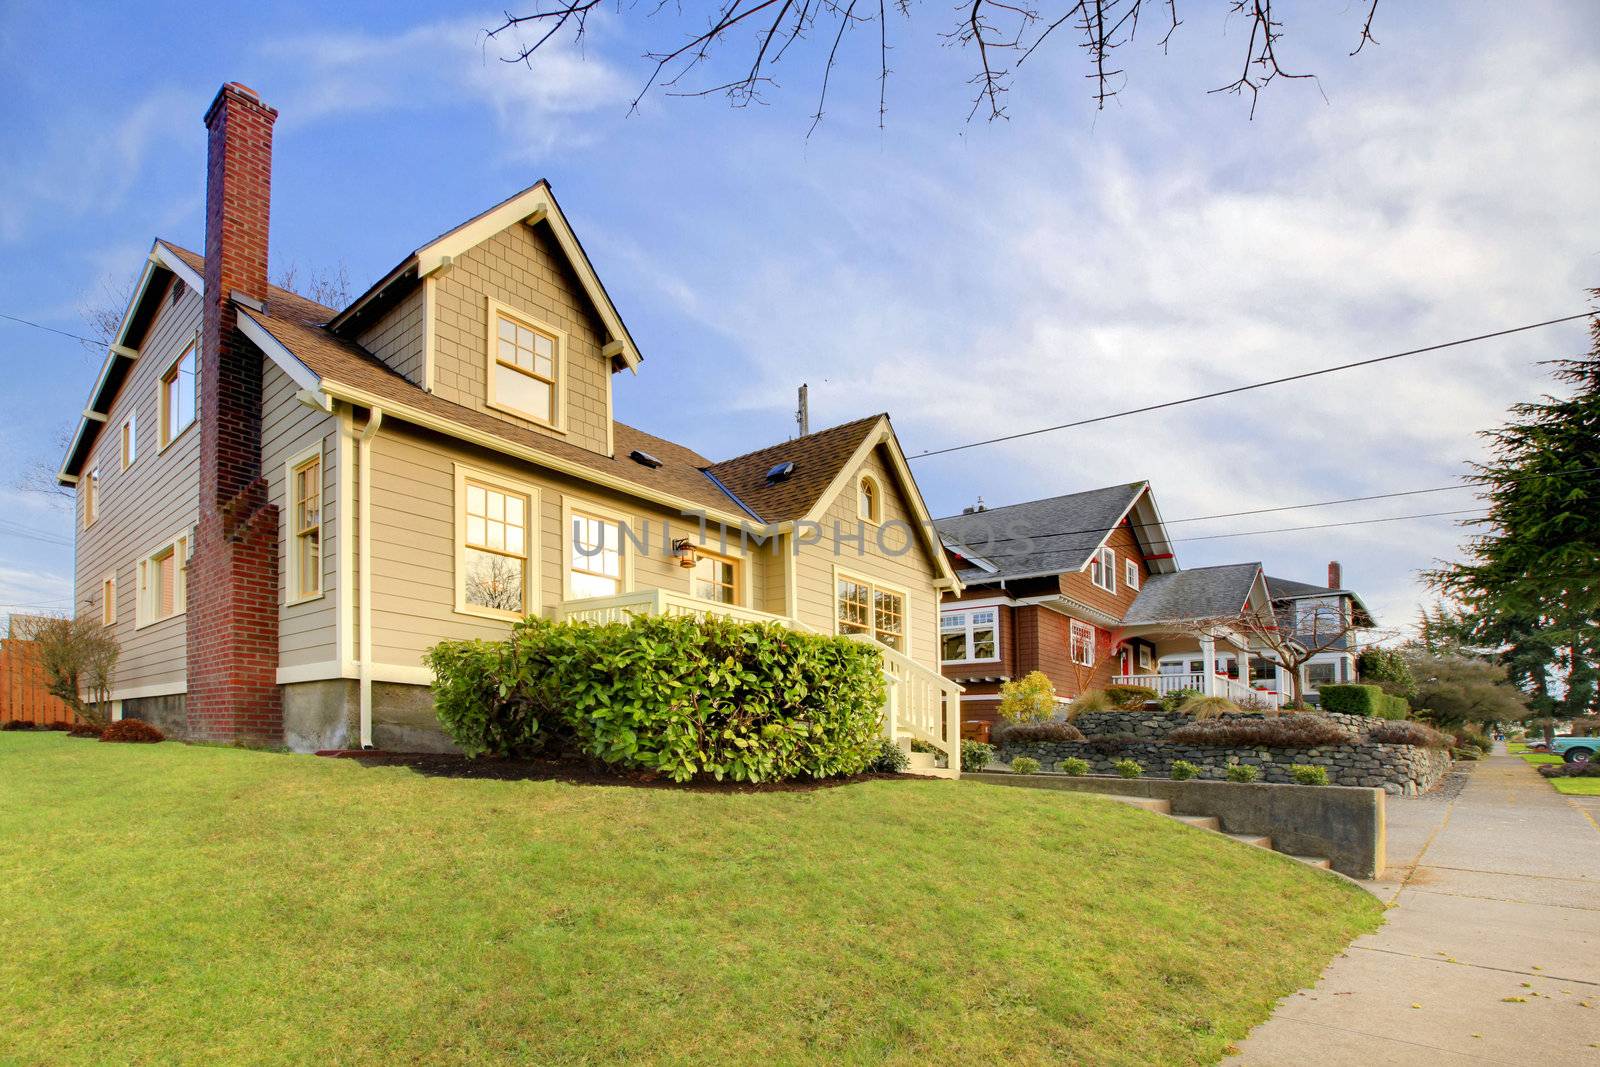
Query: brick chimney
1335, 575
233, 576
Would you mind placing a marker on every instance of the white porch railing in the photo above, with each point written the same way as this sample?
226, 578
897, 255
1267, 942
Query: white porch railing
921, 703
1232, 688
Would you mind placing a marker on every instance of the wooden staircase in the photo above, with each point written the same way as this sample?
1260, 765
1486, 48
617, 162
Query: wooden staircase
1213, 824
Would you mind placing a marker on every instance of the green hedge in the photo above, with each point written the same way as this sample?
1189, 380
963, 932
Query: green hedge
1355, 699
1394, 707
682, 696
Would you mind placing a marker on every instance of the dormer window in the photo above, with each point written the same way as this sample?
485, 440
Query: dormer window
1103, 570
869, 500
526, 360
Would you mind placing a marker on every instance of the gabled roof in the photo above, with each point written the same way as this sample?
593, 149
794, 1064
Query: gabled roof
1189, 596
1289, 589
1057, 535
535, 204
817, 457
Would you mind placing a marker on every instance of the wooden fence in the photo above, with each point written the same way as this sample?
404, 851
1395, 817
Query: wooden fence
24, 691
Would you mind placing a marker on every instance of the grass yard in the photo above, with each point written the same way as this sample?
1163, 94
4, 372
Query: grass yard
177, 904
1577, 787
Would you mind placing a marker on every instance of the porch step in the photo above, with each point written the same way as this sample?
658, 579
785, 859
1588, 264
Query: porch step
921, 761
1155, 804
1203, 822
1252, 839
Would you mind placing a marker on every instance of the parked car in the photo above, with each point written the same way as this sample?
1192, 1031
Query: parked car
1574, 749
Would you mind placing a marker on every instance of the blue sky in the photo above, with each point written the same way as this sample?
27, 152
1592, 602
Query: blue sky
971, 279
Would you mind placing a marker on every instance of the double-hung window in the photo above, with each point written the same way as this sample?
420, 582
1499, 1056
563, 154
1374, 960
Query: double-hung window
969, 636
1081, 638
178, 396
494, 546
305, 528
91, 497
163, 582
863, 607
715, 578
525, 364
108, 600
595, 563
1130, 573
1103, 570
129, 442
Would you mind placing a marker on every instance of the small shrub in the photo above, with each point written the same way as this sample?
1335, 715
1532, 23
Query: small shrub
1024, 765
1473, 737
85, 729
16, 724
919, 745
1284, 731
1393, 707
1183, 770
976, 755
891, 759
61, 725
1028, 699
1352, 699
1407, 733
1130, 697
1309, 774
1023, 732
1204, 707
1257, 703
1243, 772
1074, 766
1468, 753
1109, 743
132, 732
1127, 768
1178, 698
1089, 700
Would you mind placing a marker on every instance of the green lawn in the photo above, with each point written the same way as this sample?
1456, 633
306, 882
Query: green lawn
1577, 787
180, 904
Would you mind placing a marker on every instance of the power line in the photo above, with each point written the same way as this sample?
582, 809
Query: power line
16, 530
1246, 388
51, 329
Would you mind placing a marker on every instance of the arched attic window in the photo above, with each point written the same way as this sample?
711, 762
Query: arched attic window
869, 499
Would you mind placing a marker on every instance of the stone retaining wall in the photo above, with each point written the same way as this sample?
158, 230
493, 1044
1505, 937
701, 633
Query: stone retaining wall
1152, 724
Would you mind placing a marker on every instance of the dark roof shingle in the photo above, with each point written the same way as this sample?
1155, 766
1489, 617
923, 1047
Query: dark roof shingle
1056, 535
1186, 596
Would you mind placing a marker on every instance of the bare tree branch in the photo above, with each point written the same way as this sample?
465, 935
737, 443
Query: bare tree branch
1366, 29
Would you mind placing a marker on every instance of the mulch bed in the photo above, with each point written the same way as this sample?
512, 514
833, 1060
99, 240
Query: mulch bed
581, 772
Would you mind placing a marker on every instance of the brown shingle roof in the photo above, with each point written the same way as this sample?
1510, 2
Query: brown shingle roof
817, 458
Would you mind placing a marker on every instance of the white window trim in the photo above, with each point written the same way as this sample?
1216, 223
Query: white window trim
1073, 628
109, 605
967, 612
491, 349
128, 440
292, 552
741, 577
163, 442
1130, 574
182, 545
530, 573
1106, 557
571, 505
1147, 661
876, 583
91, 497
877, 497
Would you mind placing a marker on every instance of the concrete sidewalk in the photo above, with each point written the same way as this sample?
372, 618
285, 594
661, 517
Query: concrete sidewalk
1491, 953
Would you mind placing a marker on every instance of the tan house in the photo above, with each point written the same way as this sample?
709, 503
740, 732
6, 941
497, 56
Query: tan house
283, 505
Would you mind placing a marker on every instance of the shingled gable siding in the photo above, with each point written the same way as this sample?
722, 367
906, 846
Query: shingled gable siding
522, 268
413, 542
397, 339
143, 507
306, 631
914, 571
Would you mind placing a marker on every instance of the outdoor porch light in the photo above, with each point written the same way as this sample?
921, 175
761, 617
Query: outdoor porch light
684, 552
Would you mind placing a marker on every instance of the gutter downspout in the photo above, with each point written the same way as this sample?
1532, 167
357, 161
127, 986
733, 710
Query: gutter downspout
364, 565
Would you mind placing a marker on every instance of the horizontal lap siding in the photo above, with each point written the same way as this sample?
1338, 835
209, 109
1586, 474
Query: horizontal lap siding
414, 541
143, 507
913, 571
306, 631
1080, 586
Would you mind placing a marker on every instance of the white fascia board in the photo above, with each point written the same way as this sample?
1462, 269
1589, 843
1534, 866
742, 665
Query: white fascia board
168, 259
274, 350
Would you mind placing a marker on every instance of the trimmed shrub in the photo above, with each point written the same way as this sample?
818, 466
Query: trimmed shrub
891, 758
1204, 707
976, 755
1024, 765
1284, 731
1028, 699
1243, 772
1130, 697
1089, 700
16, 724
1393, 707
1407, 733
1079, 767
1023, 732
132, 732
1183, 770
1127, 768
61, 725
85, 729
1352, 699
675, 695
1309, 774
1178, 698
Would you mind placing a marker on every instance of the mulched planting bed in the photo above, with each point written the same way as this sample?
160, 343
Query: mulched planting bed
582, 772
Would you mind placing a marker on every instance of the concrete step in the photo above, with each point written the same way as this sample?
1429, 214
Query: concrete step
921, 761
1202, 822
1314, 861
1155, 804
1253, 839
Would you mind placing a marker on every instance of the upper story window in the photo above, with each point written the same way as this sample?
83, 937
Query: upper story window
1081, 638
1103, 570
496, 537
715, 578
108, 600
525, 365
970, 636
595, 565
129, 442
1130, 573
91, 497
863, 607
305, 528
1324, 615
163, 582
869, 499
178, 397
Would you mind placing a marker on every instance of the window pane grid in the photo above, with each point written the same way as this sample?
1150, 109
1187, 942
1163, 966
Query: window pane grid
495, 548
525, 368
595, 563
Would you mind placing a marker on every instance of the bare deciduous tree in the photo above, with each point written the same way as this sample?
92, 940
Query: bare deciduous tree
330, 288
79, 657
1002, 35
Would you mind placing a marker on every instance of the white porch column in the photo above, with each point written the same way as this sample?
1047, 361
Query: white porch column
1208, 677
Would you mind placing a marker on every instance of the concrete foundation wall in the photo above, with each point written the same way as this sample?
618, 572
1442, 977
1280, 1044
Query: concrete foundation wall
168, 714
327, 714
1343, 824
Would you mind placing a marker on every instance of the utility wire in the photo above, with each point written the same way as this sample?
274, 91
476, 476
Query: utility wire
1255, 385
51, 329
